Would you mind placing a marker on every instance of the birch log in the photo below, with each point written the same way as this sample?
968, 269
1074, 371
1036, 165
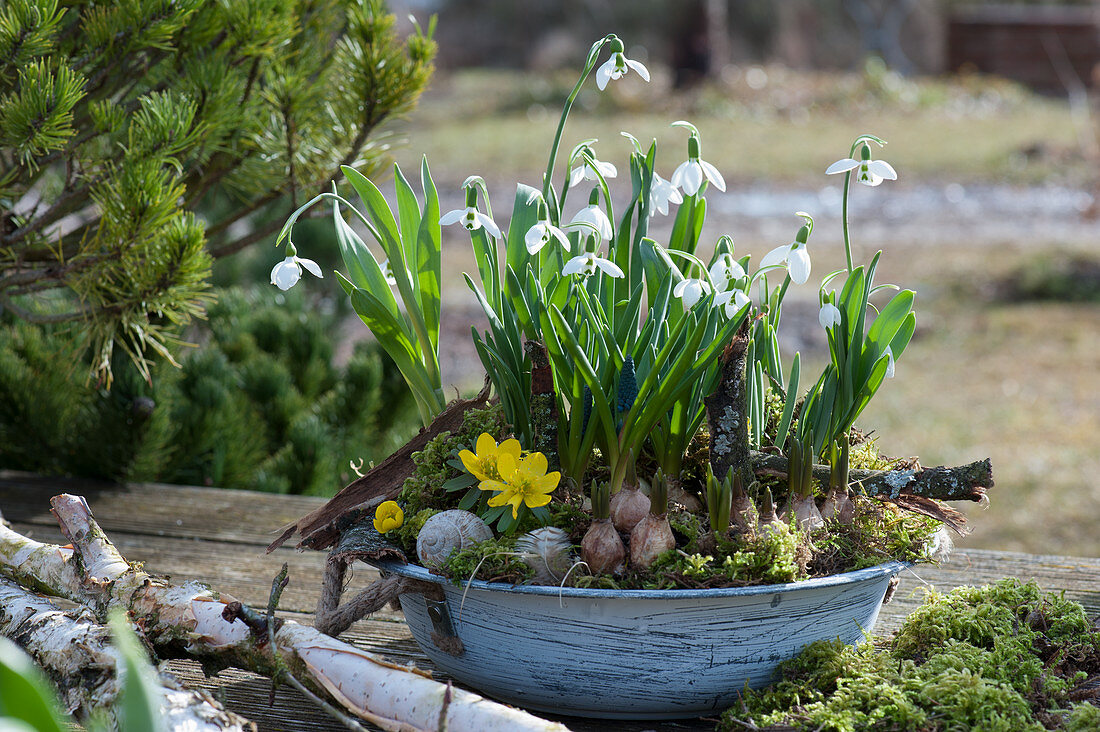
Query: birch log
86, 667
189, 619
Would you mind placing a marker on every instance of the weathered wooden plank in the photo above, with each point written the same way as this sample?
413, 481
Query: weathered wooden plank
155, 509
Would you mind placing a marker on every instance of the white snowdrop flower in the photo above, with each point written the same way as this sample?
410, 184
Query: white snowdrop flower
691, 290
725, 271
387, 273
286, 273
829, 316
868, 172
889, 363
731, 301
691, 173
589, 165
592, 218
618, 65
472, 219
542, 232
586, 264
794, 256
662, 193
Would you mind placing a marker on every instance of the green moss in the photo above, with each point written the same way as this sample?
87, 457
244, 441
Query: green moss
494, 560
436, 463
1004, 657
406, 534
1083, 718
879, 532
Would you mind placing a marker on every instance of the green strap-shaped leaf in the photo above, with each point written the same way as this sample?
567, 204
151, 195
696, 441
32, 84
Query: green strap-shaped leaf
27, 694
363, 269
525, 214
789, 402
429, 263
408, 219
390, 239
600, 404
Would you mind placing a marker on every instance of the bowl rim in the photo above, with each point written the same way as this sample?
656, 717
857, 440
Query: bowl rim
415, 571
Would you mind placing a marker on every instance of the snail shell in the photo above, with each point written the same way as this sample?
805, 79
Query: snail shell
449, 531
546, 551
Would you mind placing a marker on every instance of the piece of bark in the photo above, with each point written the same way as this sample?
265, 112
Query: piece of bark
544, 403
85, 666
962, 483
189, 620
728, 412
381, 483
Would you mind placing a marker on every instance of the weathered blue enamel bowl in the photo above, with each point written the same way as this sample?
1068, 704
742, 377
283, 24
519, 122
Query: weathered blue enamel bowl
632, 654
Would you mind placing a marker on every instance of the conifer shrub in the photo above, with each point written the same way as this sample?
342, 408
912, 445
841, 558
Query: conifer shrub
260, 404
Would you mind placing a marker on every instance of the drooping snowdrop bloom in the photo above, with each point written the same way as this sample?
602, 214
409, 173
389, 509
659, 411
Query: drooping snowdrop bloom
662, 193
286, 273
794, 255
470, 217
387, 272
589, 165
586, 265
731, 300
691, 290
868, 172
725, 271
617, 66
692, 172
592, 218
829, 316
541, 233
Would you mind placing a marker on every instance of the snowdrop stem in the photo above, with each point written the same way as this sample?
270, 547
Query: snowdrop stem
548, 176
844, 219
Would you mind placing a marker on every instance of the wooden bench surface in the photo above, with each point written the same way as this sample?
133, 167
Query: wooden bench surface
220, 536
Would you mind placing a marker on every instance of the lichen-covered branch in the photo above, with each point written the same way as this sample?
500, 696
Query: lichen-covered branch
77, 654
961, 483
191, 619
728, 410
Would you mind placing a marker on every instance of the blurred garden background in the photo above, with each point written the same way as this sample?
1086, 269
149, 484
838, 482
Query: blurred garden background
992, 114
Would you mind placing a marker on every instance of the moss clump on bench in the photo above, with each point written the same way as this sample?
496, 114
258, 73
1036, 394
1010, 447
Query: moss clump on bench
1001, 657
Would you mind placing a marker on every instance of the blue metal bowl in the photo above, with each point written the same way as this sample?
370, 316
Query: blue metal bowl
632, 654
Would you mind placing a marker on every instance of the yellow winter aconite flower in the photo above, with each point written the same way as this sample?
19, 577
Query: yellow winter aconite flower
388, 517
483, 465
522, 482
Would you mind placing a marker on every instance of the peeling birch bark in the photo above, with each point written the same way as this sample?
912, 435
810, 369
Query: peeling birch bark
85, 666
189, 619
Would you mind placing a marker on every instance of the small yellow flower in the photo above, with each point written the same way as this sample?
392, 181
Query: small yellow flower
388, 517
483, 465
522, 482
